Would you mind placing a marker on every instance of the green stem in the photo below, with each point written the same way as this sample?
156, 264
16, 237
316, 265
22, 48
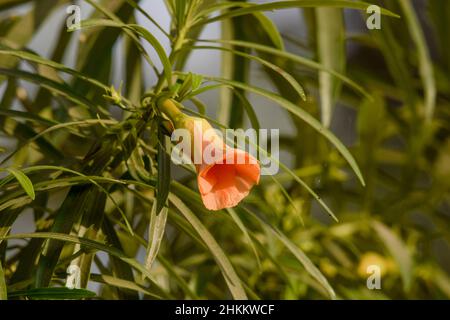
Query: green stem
170, 109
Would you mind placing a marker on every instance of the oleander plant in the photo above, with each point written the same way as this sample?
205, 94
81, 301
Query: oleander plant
93, 205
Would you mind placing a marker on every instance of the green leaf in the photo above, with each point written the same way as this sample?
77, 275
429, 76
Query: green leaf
439, 11
332, 55
26, 26
15, 199
298, 59
398, 250
90, 244
141, 10
231, 278
289, 198
299, 254
244, 230
55, 87
181, 282
24, 181
180, 12
27, 116
6, 4
56, 168
271, 29
167, 66
155, 234
249, 110
53, 293
29, 56
122, 284
185, 86
104, 10
163, 184
252, 8
38, 136
227, 71
201, 107
3, 289
425, 63
120, 269
290, 79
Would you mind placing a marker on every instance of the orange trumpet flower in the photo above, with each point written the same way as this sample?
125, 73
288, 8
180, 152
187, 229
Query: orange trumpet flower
225, 175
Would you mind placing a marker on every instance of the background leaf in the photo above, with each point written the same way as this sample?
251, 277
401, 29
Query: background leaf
331, 52
24, 181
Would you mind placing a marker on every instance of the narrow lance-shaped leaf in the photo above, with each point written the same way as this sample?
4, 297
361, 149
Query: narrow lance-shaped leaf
94, 245
53, 86
439, 12
155, 234
331, 53
115, 18
145, 14
244, 230
290, 79
119, 268
277, 5
32, 57
295, 58
26, 26
227, 67
398, 250
231, 278
121, 284
299, 254
167, 66
425, 63
3, 291
24, 181
163, 185
271, 29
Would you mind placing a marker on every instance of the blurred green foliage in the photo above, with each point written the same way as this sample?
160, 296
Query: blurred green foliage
88, 161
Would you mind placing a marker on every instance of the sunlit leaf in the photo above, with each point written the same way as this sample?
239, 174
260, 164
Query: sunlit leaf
24, 181
398, 250
331, 52
3, 289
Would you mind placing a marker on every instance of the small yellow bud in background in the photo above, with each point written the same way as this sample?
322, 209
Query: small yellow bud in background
116, 97
386, 265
